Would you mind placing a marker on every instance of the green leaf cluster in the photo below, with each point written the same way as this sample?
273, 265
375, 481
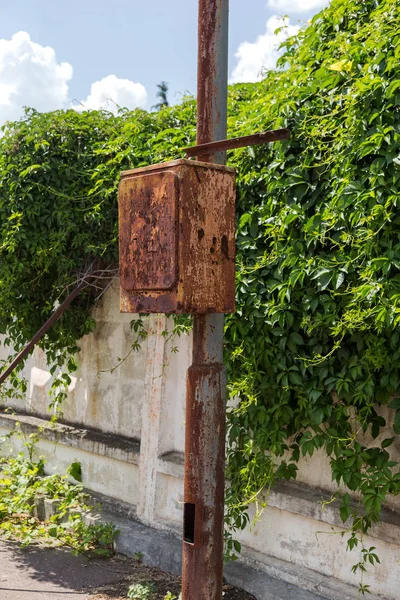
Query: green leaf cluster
23, 481
141, 591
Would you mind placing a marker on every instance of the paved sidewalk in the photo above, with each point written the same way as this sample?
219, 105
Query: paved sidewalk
35, 573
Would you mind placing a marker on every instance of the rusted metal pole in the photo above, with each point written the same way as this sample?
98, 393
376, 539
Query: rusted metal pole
203, 534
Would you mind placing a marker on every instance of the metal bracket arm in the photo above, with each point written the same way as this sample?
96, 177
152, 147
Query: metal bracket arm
239, 142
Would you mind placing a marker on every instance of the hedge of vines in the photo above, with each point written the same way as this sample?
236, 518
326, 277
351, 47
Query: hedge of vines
315, 347
313, 350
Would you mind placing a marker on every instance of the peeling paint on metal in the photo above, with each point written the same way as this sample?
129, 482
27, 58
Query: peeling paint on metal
177, 241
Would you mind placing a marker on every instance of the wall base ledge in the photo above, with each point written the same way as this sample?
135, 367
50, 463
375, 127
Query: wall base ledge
90, 440
301, 499
317, 504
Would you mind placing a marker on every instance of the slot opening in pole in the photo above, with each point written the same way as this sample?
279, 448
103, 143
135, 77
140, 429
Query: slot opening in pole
189, 522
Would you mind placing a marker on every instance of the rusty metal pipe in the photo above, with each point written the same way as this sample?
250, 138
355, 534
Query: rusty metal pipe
248, 140
39, 334
212, 75
205, 392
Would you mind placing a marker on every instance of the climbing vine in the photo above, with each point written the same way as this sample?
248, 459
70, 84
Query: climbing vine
313, 349
314, 345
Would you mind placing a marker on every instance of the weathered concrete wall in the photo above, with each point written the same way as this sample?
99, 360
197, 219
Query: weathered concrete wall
127, 429
97, 398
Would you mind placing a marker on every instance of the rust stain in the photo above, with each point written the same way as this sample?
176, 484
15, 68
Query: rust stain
209, 23
204, 479
148, 231
177, 238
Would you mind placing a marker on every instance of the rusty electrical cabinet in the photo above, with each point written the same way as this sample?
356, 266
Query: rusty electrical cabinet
177, 238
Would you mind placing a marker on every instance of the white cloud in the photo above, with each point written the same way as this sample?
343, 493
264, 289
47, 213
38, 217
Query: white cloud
111, 92
296, 6
253, 57
30, 76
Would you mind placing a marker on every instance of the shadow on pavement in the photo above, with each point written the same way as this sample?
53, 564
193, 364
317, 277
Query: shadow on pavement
38, 570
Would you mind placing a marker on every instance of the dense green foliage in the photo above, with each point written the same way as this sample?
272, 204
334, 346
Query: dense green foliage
314, 345
313, 349
59, 175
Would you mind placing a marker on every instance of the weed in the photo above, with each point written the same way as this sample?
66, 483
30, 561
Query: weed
140, 591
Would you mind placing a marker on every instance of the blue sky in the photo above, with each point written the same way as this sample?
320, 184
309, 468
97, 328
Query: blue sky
70, 45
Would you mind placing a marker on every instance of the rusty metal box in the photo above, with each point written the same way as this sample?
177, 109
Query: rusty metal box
177, 238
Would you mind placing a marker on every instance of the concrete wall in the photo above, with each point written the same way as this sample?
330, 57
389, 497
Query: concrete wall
127, 430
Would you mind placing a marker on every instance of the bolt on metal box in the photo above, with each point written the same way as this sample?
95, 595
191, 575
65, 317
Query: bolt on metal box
177, 238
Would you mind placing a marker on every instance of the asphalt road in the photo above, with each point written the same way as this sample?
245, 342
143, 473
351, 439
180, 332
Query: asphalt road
35, 573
